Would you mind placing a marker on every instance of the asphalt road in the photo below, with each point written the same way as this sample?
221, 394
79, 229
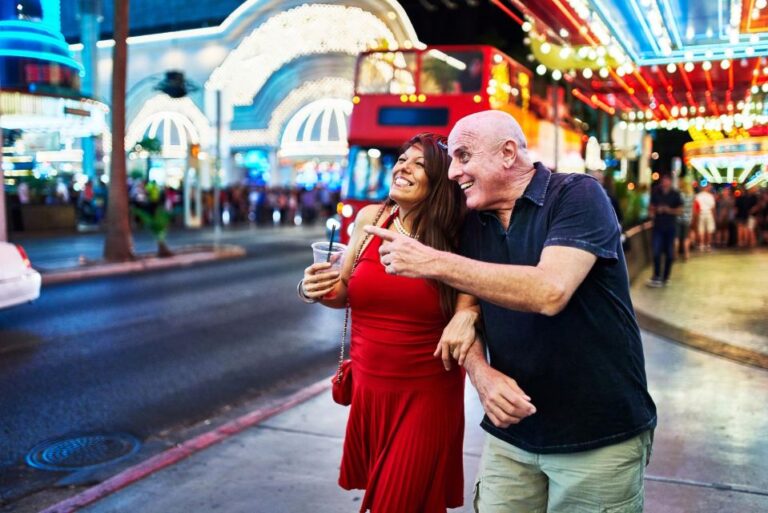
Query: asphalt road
146, 353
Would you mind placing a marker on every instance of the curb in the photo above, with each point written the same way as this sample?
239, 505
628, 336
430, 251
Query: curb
184, 450
700, 341
143, 265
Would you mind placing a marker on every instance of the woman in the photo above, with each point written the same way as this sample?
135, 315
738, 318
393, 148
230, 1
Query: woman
404, 435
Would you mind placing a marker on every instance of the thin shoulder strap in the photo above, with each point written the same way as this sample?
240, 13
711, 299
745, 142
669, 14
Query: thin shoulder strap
346, 312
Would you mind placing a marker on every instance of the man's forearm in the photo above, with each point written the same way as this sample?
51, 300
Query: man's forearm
516, 287
475, 359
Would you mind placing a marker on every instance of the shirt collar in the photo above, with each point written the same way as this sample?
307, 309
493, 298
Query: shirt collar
535, 192
537, 188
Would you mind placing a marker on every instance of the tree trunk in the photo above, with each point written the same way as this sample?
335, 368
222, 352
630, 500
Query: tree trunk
118, 245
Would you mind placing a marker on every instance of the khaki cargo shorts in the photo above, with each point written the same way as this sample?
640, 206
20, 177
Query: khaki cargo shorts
604, 480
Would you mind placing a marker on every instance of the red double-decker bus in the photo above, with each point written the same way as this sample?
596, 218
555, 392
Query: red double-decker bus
399, 93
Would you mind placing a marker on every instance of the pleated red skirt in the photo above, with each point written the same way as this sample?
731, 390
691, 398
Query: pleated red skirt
404, 436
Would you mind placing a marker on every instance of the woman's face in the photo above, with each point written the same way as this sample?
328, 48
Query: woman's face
410, 183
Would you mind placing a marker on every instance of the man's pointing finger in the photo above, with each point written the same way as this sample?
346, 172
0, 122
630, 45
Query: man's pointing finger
380, 232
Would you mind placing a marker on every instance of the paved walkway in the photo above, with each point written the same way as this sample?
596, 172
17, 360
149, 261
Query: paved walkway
710, 453
716, 301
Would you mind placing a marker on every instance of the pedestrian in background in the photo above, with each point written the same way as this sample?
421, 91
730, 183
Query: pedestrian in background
705, 206
568, 412
685, 220
745, 222
725, 214
404, 436
666, 205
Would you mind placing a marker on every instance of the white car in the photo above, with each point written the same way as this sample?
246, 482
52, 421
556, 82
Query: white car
19, 283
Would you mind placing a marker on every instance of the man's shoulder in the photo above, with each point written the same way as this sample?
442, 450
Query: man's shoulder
566, 181
574, 187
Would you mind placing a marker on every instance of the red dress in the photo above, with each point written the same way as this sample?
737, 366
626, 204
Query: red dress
406, 423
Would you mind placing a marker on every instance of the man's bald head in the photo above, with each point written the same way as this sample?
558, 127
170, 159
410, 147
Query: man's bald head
493, 127
489, 160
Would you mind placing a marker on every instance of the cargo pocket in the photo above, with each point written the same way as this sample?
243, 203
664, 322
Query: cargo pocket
631, 505
476, 497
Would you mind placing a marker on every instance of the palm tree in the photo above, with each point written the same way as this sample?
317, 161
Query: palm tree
118, 245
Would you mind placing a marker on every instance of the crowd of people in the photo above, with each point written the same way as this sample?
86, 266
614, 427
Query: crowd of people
701, 217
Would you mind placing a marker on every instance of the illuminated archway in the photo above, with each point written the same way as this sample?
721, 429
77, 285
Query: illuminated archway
177, 122
319, 128
304, 30
330, 87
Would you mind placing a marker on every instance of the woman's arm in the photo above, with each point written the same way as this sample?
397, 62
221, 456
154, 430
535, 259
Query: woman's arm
460, 333
330, 287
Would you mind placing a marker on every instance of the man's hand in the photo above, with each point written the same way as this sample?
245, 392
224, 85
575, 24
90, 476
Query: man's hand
503, 401
402, 255
458, 337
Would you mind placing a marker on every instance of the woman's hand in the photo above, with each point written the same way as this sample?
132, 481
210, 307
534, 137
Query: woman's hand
319, 280
458, 337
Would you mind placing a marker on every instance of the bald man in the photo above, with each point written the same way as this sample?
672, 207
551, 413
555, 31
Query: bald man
568, 413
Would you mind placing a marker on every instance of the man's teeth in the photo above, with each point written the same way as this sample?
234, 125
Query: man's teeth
466, 185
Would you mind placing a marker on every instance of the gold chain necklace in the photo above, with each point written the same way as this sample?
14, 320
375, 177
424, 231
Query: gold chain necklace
399, 225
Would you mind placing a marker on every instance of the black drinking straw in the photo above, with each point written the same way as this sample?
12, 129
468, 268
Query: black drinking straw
330, 246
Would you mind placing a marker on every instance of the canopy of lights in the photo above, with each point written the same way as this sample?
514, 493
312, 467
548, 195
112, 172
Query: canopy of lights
683, 64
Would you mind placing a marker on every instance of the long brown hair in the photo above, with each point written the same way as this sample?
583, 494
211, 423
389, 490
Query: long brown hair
438, 218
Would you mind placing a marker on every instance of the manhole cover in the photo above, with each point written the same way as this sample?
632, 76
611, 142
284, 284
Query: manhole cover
83, 451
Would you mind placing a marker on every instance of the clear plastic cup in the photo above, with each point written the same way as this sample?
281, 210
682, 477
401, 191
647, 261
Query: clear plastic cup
320, 253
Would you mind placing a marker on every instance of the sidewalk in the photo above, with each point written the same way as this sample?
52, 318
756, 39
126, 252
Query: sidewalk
716, 302
710, 456
710, 450
70, 257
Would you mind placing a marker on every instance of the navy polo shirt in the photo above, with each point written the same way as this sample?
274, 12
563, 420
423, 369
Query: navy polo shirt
584, 367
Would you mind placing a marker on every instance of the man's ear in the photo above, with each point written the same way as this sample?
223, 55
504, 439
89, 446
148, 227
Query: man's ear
509, 152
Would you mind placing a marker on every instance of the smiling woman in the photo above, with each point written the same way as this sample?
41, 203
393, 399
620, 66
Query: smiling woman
404, 435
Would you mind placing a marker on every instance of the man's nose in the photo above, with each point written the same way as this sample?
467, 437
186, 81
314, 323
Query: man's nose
453, 171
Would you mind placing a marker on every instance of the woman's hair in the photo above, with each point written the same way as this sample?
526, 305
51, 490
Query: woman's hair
438, 218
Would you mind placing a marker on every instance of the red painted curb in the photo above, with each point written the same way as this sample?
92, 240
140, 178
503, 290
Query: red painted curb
184, 450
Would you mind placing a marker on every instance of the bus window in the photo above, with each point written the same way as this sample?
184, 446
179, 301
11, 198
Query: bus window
370, 173
386, 73
451, 72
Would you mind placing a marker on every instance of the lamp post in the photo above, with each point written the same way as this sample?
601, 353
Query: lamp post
217, 171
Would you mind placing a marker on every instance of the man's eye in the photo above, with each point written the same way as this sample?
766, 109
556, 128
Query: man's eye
464, 156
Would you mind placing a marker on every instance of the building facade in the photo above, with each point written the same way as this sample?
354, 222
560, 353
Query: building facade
270, 85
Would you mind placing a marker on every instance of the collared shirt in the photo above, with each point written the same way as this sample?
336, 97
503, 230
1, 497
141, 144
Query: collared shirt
584, 367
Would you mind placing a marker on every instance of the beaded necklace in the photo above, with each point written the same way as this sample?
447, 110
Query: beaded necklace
399, 225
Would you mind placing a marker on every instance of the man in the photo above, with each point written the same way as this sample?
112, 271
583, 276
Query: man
666, 205
542, 253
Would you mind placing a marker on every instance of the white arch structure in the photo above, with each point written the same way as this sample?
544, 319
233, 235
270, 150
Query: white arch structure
305, 30
299, 137
329, 87
180, 114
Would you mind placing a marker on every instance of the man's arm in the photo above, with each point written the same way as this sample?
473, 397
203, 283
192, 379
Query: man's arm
544, 288
503, 400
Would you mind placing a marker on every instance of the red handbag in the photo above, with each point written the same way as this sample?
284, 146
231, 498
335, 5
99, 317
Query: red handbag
342, 384
342, 387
